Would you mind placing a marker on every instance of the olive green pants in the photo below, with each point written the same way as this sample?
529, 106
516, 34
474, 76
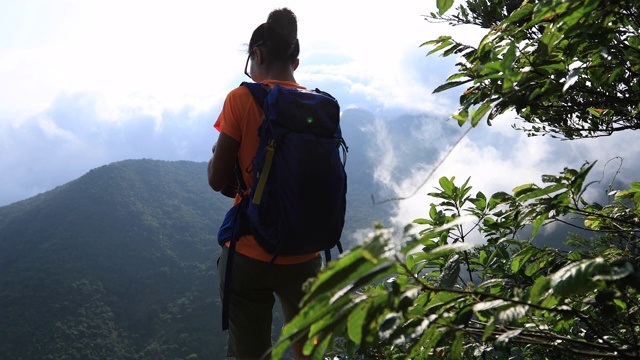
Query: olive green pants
253, 285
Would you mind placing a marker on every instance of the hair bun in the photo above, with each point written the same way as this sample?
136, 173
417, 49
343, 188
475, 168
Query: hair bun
282, 28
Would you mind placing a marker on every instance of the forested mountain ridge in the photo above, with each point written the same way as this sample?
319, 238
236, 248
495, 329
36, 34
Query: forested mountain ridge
120, 263
116, 264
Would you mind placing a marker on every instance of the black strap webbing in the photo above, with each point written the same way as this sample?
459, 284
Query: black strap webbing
226, 295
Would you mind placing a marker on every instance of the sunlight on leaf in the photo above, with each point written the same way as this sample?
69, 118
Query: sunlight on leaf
576, 277
487, 305
503, 339
573, 76
511, 314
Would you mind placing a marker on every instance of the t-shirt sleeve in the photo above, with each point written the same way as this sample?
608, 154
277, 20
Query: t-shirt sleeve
233, 116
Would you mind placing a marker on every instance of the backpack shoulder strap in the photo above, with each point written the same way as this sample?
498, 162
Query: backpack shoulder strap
258, 90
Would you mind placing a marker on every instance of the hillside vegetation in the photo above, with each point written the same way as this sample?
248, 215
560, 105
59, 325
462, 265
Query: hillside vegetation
118, 264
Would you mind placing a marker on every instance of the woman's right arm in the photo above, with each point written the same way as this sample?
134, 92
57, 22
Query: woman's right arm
222, 162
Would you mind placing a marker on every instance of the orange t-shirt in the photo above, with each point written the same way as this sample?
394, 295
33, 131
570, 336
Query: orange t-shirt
240, 118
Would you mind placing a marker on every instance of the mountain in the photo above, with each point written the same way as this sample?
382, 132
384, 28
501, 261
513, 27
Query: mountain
116, 264
121, 263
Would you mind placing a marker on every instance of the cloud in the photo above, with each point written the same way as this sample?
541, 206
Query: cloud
72, 137
115, 80
498, 158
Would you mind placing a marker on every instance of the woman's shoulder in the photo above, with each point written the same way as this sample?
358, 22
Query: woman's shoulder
239, 91
238, 96
287, 84
241, 94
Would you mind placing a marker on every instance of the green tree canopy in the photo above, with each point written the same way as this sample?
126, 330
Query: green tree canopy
568, 68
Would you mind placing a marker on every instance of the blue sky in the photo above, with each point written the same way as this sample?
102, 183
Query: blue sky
86, 83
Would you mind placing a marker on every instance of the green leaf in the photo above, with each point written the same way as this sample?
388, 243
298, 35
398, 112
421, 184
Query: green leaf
536, 266
444, 251
316, 315
410, 262
576, 278
620, 304
444, 42
524, 189
440, 39
457, 76
450, 273
462, 117
323, 326
444, 5
447, 185
479, 113
316, 351
539, 289
536, 193
351, 266
450, 84
488, 330
480, 201
426, 342
575, 256
456, 346
595, 112
441, 298
433, 212
375, 275
508, 59
492, 283
537, 222
498, 198
522, 12
356, 321
408, 298
522, 257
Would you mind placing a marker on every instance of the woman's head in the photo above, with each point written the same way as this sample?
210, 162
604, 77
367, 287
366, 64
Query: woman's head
278, 36
277, 39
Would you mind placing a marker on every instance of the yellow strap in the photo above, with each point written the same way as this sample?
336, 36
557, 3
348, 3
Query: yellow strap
257, 197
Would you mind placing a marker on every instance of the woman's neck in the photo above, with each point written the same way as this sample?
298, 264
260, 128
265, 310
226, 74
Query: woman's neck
283, 72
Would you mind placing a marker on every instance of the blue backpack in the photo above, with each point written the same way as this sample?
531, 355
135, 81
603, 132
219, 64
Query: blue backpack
298, 199
297, 202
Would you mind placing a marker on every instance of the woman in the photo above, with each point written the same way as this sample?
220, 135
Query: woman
272, 58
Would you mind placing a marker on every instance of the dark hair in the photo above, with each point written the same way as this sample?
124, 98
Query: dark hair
278, 36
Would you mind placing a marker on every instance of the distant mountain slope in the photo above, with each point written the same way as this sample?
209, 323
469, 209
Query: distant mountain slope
120, 263
116, 264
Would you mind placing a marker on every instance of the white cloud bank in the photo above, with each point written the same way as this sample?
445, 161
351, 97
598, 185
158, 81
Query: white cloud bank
91, 82
498, 158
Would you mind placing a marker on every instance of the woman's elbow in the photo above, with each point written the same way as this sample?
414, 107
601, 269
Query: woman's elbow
216, 183
215, 186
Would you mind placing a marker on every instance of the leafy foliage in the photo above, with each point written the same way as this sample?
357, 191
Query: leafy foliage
442, 295
568, 68
467, 281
